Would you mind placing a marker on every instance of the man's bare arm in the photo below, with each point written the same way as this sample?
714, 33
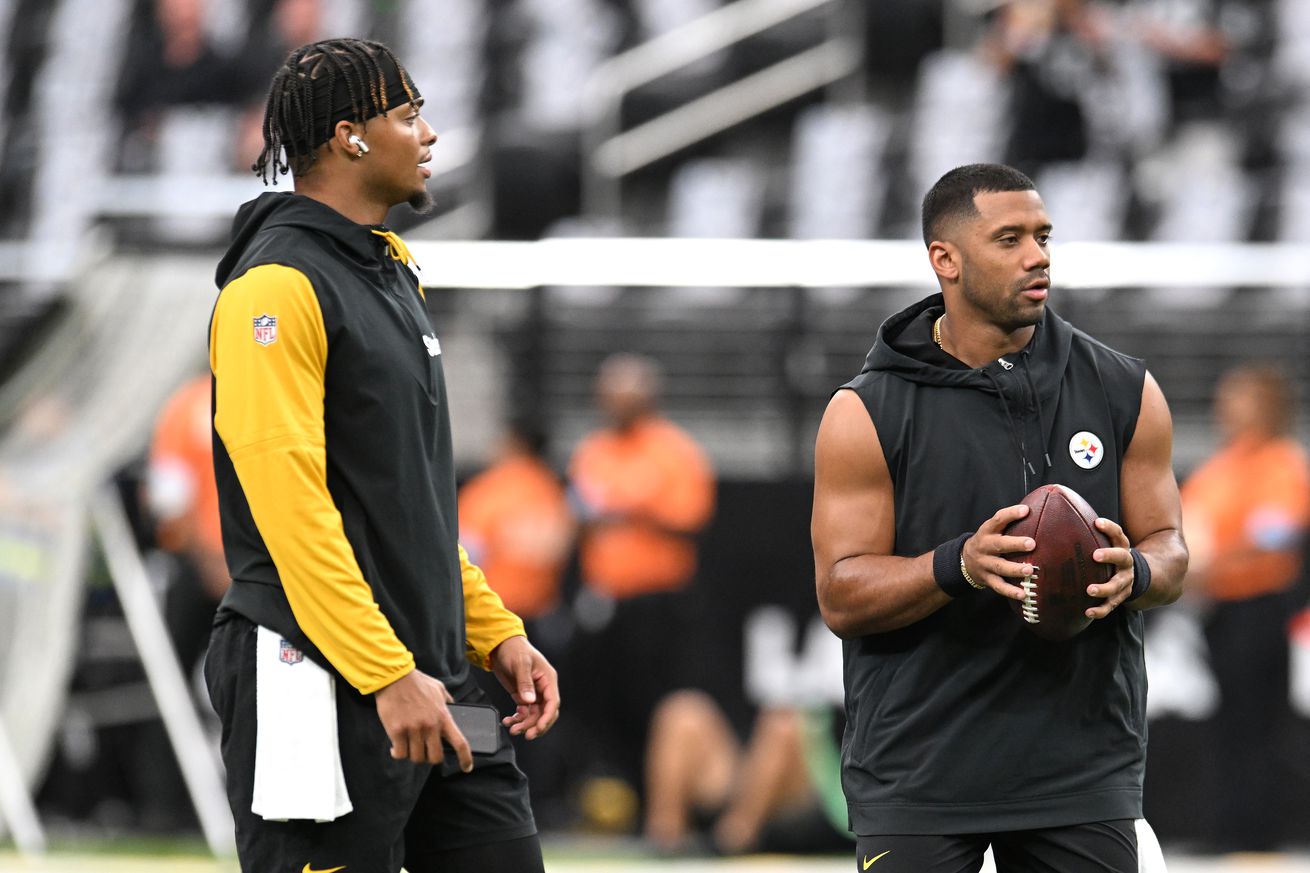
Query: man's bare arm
862, 587
1152, 512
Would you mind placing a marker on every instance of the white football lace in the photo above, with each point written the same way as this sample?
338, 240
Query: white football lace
1029, 585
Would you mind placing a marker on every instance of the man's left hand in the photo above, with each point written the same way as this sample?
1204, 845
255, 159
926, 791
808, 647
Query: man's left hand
1120, 585
532, 682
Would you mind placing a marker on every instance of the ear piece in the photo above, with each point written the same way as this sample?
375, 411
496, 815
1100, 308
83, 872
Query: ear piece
360, 144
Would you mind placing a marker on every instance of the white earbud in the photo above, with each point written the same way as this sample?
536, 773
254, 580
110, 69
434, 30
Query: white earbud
359, 143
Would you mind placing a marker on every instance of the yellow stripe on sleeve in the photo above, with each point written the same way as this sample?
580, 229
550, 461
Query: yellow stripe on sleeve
268, 353
487, 622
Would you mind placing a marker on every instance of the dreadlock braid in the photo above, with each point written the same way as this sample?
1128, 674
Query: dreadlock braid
300, 113
334, 65
404, 75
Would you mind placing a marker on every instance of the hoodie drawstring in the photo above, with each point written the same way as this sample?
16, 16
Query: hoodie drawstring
397, 248
1037, 401
1015, 436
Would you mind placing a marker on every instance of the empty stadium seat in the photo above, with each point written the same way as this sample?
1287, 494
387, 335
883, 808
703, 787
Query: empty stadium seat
1205, 198
959, 108
568, 40
446, 54
713, 198
837, 185
1086, 199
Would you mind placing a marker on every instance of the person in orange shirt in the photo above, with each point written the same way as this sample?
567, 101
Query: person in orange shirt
642, 485
515, 523
183, 500
1246, 512
643, 490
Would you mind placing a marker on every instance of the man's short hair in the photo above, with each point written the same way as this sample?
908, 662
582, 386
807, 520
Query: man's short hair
952, 197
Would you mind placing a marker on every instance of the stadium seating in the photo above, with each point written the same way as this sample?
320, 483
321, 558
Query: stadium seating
509, 77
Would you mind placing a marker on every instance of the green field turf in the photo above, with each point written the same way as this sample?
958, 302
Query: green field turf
136, 857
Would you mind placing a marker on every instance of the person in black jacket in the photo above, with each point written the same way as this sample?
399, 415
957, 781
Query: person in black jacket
964, 729
346, 635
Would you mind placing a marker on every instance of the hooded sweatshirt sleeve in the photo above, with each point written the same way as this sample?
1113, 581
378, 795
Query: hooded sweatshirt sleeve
268, 354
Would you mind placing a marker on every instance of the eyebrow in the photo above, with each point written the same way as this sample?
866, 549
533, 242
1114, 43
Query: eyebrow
1019, 228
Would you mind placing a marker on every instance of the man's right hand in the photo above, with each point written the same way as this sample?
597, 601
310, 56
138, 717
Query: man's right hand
982, 553
413, 711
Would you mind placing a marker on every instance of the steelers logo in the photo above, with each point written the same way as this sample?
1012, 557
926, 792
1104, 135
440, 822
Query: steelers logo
1086, 449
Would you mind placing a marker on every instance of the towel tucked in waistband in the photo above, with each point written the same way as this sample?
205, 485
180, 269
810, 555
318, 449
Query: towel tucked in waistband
298, 771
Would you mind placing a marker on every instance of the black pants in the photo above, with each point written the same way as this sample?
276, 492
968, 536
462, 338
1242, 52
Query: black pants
1097, 847
1250, 657
619, 672
425, 817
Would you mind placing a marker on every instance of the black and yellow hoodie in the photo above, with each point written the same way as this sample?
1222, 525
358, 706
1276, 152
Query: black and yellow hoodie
332, 452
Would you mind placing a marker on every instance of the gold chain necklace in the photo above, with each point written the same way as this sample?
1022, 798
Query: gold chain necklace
937, 331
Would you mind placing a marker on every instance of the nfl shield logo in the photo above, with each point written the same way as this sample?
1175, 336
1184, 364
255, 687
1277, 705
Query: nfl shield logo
265, 329
289, 654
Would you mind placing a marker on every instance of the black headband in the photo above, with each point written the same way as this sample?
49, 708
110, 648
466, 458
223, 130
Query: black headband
335, 105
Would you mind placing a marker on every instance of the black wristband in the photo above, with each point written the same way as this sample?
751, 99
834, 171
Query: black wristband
946, 566
1141, 575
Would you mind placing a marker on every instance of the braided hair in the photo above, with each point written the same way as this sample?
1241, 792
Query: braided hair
306, 99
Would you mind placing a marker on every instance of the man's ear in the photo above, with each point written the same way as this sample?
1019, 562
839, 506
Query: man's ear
341, 135
945, 260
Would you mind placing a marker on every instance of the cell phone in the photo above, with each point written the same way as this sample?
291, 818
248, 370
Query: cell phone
480, 725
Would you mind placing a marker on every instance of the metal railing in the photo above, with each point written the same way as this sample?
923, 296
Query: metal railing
609, 153
772, 263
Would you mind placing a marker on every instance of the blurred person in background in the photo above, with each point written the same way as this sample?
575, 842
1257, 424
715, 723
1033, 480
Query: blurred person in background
183, 500
170, 61
290, 23
354, 613
1246, 511
642, 490
1052, 50
515, 523
780, 793
642, 487
1190, 41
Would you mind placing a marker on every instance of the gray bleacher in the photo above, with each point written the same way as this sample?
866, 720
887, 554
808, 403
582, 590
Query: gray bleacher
748, 369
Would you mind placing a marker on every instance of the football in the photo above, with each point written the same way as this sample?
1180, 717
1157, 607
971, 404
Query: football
1064, 527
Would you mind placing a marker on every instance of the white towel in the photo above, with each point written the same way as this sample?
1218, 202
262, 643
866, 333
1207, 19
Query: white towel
297, 757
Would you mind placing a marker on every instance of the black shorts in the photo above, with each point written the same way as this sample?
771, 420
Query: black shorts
1096, 847
401, 810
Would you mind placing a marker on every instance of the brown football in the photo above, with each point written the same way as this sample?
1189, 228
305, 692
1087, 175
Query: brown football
1064, 527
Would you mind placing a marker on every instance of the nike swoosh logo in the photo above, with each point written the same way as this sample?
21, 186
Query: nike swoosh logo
868, 862
309, 869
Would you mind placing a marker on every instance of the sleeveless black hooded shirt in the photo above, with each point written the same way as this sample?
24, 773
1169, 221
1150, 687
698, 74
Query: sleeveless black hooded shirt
965, 722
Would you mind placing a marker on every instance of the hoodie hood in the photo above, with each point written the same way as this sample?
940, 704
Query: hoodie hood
897, 352
1023, 383
356, 242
